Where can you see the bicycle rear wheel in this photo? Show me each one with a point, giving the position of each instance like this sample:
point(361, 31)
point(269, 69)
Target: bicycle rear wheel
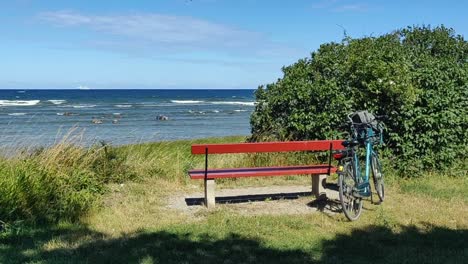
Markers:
point(378, 176)
point(352, 205)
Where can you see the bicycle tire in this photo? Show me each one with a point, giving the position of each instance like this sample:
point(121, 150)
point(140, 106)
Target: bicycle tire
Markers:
point(351, 205)
point(378, 177)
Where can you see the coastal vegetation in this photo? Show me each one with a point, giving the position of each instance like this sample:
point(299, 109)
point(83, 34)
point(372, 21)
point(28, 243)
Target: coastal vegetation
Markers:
point(115, 204)
point(417, 76)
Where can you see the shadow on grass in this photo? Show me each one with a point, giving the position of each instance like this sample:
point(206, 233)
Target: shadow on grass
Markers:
point(143, 247)
point(326, 205)
point(372, 244)
point(378, 244)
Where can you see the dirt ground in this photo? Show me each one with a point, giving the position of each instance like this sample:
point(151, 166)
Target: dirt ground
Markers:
point(272, 200)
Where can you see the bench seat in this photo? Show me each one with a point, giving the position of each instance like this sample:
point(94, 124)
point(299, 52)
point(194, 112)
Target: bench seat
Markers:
point(262, 171)
point(318, 173)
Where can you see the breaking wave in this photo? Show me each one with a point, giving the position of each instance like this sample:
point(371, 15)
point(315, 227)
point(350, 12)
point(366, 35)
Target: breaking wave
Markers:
point(84, 106)
point(57, 102)
point(186, 101)
point(234, 103)
point(123, 105)
point(19, 102)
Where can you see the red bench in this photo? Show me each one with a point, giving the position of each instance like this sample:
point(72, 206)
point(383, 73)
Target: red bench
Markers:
point(318, 171)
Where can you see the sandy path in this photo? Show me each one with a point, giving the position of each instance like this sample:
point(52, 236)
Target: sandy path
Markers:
point(260, 200)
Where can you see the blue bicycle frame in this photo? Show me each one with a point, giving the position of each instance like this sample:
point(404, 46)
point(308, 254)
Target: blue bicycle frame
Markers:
point(363, 187)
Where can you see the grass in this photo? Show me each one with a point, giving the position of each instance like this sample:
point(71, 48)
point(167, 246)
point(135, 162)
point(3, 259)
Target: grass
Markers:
point(61, 182)
point(421, 221)
point(437, 186)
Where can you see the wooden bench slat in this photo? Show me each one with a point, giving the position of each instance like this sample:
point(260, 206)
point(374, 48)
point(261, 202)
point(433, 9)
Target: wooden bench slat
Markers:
point(315, 145)
point(261, 171)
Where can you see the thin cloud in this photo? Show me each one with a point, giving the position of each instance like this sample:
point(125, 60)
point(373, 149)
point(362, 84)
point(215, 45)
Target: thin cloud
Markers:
point(340, 6)
point(165, 31)
point(324, 4)
point(352, 7)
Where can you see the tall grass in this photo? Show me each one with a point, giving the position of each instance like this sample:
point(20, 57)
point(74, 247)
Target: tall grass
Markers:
point(65, 181)
point(61, 182)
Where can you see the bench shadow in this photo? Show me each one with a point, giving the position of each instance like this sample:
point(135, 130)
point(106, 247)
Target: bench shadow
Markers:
point(191, 201)
point(317, 203)
point(326, 205)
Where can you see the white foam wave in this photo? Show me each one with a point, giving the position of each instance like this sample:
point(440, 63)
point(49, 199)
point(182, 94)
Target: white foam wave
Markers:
point(57, 102)
point(186, 101)
point(17, 114)
point(19, 102)
point(234, 103)
point(66, 114)
point(84, 106)
point(240, 110)
point(196, 112)
point(123, 105)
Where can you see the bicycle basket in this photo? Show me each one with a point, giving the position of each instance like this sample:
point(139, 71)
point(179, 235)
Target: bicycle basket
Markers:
point(361, 121)
point(364, 118)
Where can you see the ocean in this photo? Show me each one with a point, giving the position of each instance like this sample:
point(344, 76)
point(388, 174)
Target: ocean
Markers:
point(85, 117)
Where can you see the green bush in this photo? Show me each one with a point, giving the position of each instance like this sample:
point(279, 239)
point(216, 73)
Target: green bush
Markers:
point(418, 76)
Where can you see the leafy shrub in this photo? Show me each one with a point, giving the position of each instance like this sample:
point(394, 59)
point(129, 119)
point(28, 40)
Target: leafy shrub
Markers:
point(418, 76)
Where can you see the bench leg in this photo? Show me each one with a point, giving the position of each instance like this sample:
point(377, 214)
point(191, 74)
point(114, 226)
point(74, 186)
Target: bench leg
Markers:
point(318, 186)
point(210, 187)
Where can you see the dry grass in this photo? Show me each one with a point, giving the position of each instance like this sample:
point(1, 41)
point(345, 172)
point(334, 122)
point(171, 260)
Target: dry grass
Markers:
point(144, 205)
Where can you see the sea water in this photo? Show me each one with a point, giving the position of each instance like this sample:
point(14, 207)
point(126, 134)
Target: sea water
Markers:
point(45, 117)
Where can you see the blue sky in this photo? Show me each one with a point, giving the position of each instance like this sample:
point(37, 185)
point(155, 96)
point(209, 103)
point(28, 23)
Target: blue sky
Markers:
point(188, 44)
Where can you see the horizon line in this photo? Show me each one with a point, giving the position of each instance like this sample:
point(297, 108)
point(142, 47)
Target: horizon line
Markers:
point(88, 89)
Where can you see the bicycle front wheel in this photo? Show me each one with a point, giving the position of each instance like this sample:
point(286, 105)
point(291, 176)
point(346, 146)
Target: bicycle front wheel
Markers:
point(352, 205)
point(378, 176)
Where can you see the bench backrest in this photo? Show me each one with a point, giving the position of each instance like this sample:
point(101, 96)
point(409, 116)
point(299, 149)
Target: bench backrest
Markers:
point(313, 145)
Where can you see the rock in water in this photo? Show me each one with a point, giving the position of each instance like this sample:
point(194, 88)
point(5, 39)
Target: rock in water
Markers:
point(163, 118)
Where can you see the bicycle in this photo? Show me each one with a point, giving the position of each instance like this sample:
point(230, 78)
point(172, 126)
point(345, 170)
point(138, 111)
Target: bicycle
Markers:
point(366, 131)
